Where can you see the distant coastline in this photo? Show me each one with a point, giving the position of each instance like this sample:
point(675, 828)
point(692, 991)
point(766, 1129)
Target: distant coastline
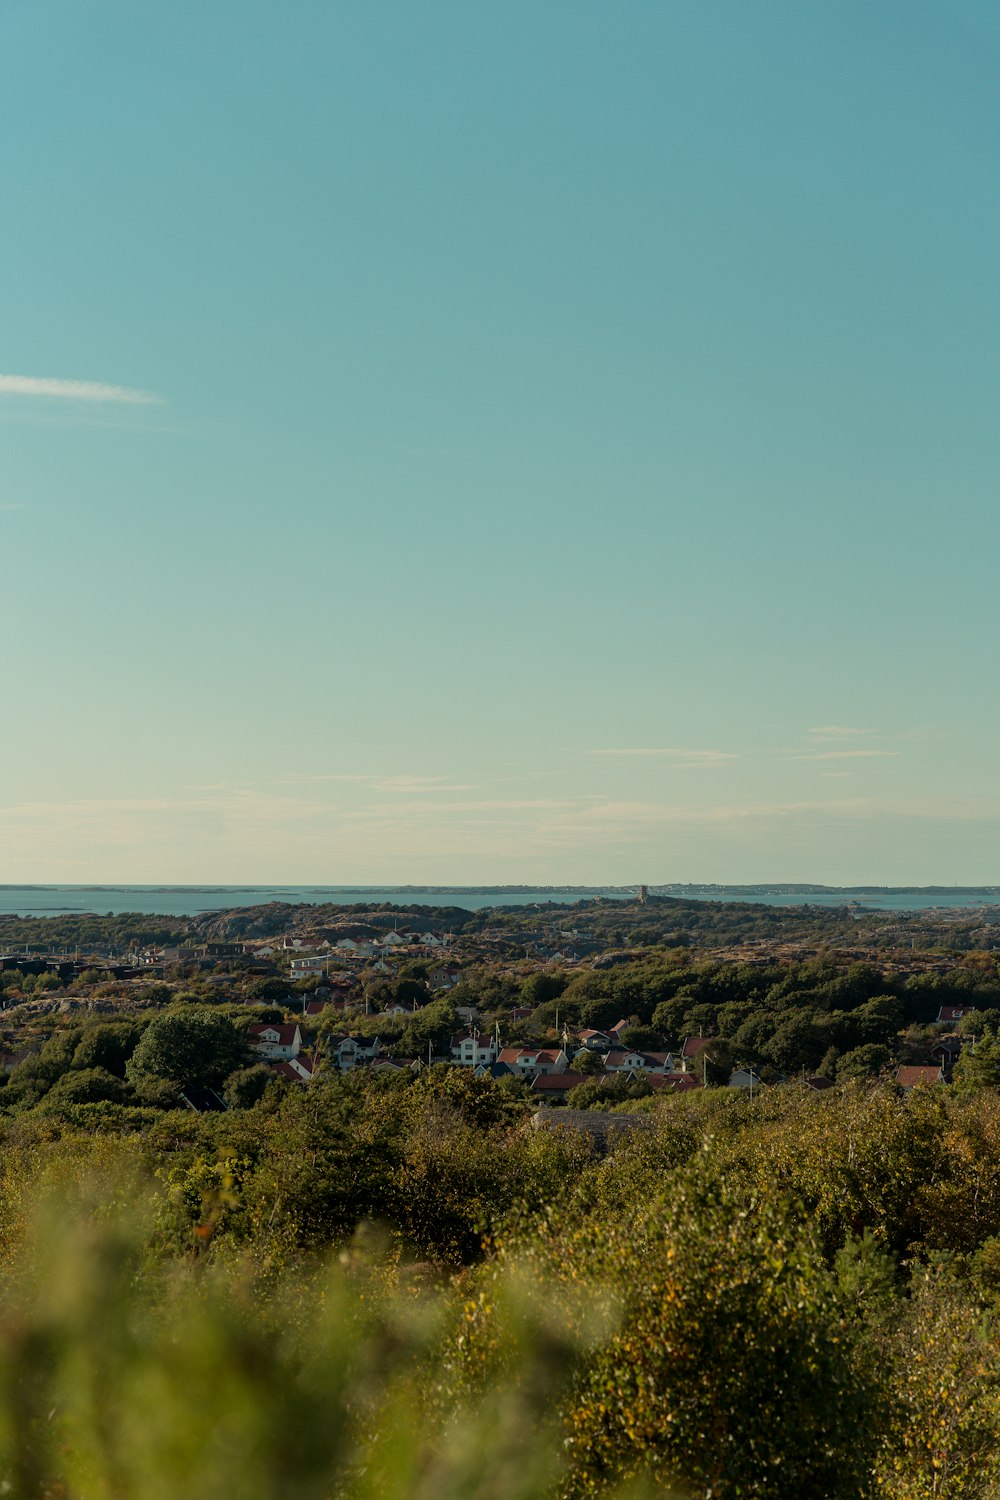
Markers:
point(191, 900)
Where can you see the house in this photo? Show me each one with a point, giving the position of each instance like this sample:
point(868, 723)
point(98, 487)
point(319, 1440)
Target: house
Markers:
point(674, 1083)
point(495, 1070)
point(692, 1049)
point(817, 1084)
point(202, 1101)
point(948, 1050)
point(470, 1050)
point(299, 1069)
point(528, 1062)
point(557, 1084)
point(743, 1078)
point(624, 1061)
point(396, 1065)
point(353, 1051)
point(393, 940)
point(303, 968)
point(444, 979)
point(276, 1043)
point(657, 1062)
point(595, 1041)
point(949, 1014)
point(919, 1075)
point(317, 1007)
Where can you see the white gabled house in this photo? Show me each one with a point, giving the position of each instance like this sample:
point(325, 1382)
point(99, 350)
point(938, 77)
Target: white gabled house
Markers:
point(354, 1051)
point(530, 1062)
point(304, 968)
point(472, 1051)
point(276, 1042)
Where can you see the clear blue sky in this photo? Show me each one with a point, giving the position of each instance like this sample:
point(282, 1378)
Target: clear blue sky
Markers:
point(575, 450)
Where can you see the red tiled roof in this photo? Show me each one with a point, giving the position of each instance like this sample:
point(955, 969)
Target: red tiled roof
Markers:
point(542, 1055)
point(693, 1045)
point(286, 1032)
point(918, 1075)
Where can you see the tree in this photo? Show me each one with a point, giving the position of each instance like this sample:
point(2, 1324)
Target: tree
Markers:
point(108, 1046)
point(190, 1048)
point(730, 1323)
point(863, 1062)
point(717, 1061)
point(979, 1068)
point(546, 984)
point(247, 1086)
point(798, 1042)
point(435, 1023)
point(640, 1038)
point(88, 1086)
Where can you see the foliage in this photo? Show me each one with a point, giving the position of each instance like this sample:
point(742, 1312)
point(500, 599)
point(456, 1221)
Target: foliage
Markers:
point(187, 1048)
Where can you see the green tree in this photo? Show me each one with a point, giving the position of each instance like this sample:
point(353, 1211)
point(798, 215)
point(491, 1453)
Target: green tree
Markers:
point(247, 1086)
point(588, 1062)
point(88, 1086)
point(187, 1048)
point(978, 1067)
point(863, 1062)
point(640, 1038)
point(108, 1045)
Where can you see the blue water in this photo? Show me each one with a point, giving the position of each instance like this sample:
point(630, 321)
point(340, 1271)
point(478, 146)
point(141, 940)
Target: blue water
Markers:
point(189, 900)
point(872, 897)
point(184, 901)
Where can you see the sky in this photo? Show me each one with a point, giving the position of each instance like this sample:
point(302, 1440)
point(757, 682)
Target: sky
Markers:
point(549, 442)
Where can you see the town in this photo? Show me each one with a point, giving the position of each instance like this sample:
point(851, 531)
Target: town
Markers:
point(550, 1005)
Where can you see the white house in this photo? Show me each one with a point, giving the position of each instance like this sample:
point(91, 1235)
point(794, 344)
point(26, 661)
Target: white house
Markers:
point(302, 968)
point(276, 1043)
point(351, 1051)
point(529, 1062)
point(471, 1051)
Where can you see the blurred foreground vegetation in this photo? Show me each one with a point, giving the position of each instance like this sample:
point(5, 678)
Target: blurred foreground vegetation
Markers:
point(382, 1287)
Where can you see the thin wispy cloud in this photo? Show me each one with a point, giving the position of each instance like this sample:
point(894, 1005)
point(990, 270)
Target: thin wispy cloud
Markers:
point(838, 732)
point(845, 755)
point(75, 390)
point(394, 783)
point(690, 759)
point(11, 507)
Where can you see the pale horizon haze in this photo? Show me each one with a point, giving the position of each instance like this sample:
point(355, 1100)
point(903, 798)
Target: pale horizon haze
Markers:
point(533, 443)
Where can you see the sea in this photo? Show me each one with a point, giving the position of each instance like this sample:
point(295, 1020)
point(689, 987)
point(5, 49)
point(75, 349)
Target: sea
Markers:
point(190, 900)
